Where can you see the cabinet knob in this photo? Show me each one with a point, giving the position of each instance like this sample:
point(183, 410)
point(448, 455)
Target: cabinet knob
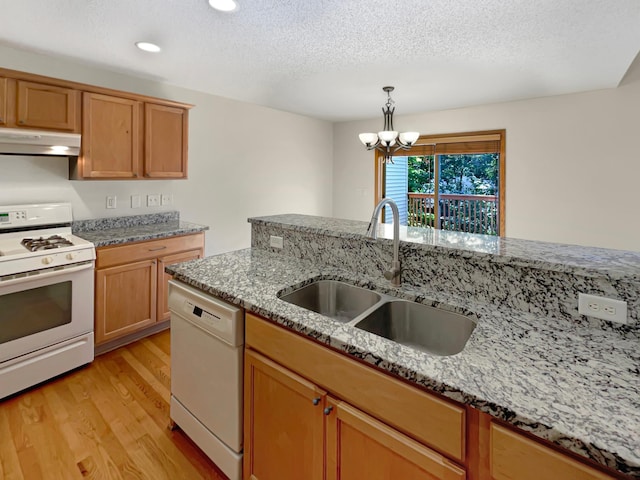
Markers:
point(21, 122)
point(327, 410)
point(316, 400)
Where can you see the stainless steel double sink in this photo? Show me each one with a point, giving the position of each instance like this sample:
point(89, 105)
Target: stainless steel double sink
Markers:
point(434, 330)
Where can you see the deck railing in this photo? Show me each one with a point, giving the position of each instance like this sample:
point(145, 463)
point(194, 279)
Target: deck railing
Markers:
point(462, 213)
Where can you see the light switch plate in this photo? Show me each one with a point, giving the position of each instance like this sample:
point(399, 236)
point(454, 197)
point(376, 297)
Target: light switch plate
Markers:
point(135, 201)
point(111, 201)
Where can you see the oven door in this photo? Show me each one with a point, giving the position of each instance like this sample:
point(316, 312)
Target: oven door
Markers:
point(44, 308)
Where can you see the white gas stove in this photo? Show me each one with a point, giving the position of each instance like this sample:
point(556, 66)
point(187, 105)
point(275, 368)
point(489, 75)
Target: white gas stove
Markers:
point(46, 295)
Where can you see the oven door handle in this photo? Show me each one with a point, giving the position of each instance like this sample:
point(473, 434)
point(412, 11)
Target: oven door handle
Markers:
point(46, 274)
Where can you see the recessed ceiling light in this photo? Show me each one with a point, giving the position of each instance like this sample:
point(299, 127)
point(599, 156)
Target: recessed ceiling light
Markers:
point(148, 47)
point(224, 5)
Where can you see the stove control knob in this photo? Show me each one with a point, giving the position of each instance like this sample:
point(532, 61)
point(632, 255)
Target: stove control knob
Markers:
point(47, 260)
point(71, 256)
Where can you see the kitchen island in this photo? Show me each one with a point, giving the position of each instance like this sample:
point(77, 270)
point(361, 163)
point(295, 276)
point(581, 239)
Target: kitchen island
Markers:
point(574, 383)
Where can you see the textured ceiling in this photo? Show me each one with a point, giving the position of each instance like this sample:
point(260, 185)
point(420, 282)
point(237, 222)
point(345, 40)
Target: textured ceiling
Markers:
point(330, 58)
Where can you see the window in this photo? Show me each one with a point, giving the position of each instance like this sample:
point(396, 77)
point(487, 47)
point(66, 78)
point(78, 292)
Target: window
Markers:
point(449, 182)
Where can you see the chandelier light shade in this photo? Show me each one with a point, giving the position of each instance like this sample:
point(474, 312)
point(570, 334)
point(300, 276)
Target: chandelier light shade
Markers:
point(388, 141)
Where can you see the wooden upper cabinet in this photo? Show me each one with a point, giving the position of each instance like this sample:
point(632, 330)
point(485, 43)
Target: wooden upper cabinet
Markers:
point(124, 135)
point(111, 137)
point(3, 101)
point(47, 106)
point(165, 149)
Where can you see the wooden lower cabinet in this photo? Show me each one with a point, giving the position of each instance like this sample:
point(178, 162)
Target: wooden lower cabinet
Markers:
point(283, 423)
point(513, 456)
point(313, 413)
point(293, 430)
point(164, 277)
point(131, 284)
point(125, 299)
point(359, 446)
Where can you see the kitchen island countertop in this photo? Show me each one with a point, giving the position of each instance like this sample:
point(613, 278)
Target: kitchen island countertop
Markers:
point(575, 386)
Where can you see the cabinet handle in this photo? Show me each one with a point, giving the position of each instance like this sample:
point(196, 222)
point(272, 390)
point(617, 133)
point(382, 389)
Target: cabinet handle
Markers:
point(157, 248)
point(327, 410)
point(21, 122)
point(316, 400)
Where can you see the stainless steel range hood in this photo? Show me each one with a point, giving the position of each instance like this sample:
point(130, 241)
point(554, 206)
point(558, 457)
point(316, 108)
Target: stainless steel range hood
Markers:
point(14, 141)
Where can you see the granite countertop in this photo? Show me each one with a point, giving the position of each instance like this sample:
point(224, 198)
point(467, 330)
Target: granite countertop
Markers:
point(616, 264)
point(114, 231)
point(575, 386)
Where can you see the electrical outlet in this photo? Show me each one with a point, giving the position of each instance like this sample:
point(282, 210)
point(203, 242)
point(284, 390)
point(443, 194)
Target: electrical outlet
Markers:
point(153, 200)
point(165, 199)
point(276, 242)
point(111, 201)
point(602, 307)
point(135, 201)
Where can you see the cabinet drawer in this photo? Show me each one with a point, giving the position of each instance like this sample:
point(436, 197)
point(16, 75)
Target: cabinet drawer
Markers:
point(133, 252)
point(514, 456)
point(359, 446)
point(425, 417)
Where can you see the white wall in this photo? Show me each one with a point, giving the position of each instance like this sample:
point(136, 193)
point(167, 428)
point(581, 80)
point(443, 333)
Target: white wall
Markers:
point(573, 155)
point(244, 160)
point(573, 163)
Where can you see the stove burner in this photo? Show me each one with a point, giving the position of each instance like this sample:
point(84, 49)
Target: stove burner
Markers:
point(41, 243)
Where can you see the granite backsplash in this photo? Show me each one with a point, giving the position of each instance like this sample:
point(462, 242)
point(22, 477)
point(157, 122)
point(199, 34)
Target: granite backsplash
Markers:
point(537, 277)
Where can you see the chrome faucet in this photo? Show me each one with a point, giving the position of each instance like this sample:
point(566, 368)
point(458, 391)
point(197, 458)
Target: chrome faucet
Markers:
point(393, 274)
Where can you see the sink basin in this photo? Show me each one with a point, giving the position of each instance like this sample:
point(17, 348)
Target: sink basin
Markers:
point(430, 329)
point(332, 298)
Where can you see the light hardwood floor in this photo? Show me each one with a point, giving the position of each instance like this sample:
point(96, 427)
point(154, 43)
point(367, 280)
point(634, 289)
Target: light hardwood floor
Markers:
point(108, 420)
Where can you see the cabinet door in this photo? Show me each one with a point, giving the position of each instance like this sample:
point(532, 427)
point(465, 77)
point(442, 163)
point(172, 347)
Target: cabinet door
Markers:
point(359, 446)
point(163, 279)
point(3, 101)
point(283, 423)
point(111, 137)
point(166, 134)
point(47, 106)
point(125, 299)
point(516, 457)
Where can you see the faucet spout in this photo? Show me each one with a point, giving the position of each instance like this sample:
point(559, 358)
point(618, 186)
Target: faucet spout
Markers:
point(393, 274)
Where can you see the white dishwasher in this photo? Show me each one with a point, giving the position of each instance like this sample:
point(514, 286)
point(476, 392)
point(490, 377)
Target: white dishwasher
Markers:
point(207, 338)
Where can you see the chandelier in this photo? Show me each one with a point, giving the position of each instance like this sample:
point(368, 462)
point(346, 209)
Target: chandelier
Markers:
point(388, 141)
